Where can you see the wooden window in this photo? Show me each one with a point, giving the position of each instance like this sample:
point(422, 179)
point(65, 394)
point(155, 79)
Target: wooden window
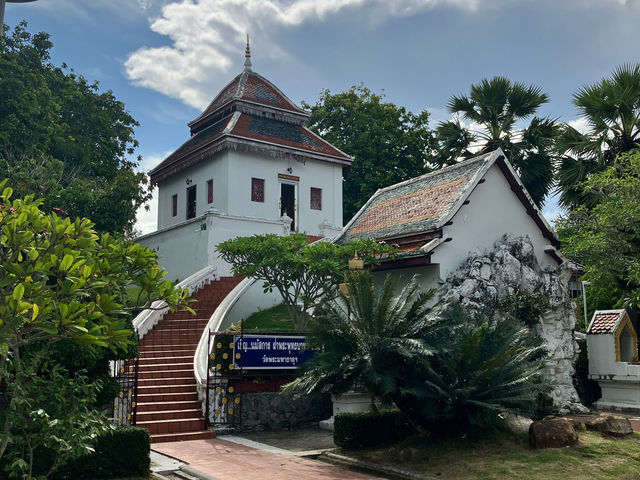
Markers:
point(209, 191)
point(174, 205)
point(191, 202)
point(316, 198)
point(257, 190)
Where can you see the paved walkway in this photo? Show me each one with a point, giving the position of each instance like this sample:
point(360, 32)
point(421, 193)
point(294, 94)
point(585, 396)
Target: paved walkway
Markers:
point(230, 461)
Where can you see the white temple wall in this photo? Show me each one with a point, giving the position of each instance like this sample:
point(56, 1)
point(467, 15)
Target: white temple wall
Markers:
point(493, 211)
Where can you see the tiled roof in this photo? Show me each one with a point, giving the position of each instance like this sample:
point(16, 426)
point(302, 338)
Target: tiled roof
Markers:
point(417, 205)
point(605, 321)
point(254, 88)
point(250, 128)
point(283, 133)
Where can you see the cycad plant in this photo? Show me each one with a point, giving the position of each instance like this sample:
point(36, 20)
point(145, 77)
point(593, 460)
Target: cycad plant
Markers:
point(494, 109)
point(367, 339)
point(611, 108)
point(484, 367)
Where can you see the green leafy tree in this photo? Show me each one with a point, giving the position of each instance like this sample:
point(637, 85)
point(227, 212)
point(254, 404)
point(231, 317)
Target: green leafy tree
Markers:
point(302, 273)
point(494, 107)
point(370, 338)
point(611, 108)
point(63, 140)
point(606, 238)
point(61, 282)
point(388, 143)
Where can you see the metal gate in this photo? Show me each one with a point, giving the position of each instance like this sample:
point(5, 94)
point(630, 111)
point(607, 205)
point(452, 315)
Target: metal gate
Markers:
point(124, 405)
point(224, 367)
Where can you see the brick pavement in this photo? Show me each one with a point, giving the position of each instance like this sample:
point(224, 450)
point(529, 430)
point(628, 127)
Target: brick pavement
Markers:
point(230, 461)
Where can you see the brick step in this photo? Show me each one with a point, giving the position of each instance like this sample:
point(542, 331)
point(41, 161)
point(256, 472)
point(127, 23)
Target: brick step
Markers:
point(165, 348)
point(163, 367)
point(168, 415)
point(152, 382)
point(163, 398)
point(172, 333)
point(181, 425)
point(184, 323)
point(166, 389)
point(158, 406)
point(175, 338)
point(181, 437)
point(166, 374)
point(165, 359)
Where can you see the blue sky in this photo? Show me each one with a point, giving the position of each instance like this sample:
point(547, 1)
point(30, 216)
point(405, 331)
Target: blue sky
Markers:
point(166, 59)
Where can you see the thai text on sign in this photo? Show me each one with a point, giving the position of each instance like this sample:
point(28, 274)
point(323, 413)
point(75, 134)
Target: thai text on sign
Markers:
point(262, 352)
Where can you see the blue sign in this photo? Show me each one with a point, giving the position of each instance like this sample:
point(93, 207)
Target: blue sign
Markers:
point(263, 352)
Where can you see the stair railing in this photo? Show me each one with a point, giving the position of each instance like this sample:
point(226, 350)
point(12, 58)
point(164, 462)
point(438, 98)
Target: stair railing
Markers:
point(149, 318)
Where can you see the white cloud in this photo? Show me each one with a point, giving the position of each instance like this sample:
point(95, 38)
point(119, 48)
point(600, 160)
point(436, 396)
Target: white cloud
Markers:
point(580, 124)
point(207, 34)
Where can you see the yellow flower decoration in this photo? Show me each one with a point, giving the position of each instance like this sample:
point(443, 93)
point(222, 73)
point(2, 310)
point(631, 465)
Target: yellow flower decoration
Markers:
point(217, 411)
point(231, 345)
point(218, 367)
point(238, 355)
point(121, 394)
point(225, 356)
point(230, 389)
point(237, 401)
point(212, 356)
point(217, 389)
point(224, 400)
point(218, 345)
point(230, 411)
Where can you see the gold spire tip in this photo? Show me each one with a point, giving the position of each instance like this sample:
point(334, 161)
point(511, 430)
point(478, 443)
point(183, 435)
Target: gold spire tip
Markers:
point(247, 52)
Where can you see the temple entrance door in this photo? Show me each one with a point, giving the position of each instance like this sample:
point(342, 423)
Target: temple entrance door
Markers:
point(288, 203)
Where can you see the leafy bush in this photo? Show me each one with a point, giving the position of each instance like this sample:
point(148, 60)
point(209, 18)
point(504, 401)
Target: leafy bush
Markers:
point(526, 306)
point(369, 429)
point(122, 452)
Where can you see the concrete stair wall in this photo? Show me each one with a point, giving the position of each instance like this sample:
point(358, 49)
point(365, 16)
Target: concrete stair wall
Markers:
point(167, 403)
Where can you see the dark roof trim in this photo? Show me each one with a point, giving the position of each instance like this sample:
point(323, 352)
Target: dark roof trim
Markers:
point(406, 262)
point(530, 207)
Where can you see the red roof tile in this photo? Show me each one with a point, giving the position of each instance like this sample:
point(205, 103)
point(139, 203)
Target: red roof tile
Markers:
point(604, 321)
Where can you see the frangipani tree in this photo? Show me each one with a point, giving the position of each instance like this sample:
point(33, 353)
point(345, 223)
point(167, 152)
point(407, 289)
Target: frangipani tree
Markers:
point(60, 281)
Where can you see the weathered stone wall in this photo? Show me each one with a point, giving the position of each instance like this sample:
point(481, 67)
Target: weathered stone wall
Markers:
point(270, 410)
point(486, 278)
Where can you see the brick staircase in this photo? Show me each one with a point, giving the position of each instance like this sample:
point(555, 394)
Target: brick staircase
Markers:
point(168, 404)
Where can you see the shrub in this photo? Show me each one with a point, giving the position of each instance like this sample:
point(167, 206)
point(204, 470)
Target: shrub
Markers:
point(369, 429)
point(122, 452)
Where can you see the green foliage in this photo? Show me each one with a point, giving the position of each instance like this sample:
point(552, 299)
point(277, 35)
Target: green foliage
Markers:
point(274, 319)
point(442, 373)
point(122, 452)
point(606, 238)
point(369, 429)
point(611, 108)
point(368, 339)
point(61, 283)
point(494, 107)
point(388, 143)
point(484, 367)
point(63, 140)
point(526, 307)
point(302, 273)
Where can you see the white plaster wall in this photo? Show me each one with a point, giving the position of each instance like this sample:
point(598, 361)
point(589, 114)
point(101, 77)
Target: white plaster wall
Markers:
point(427, 276)
point(182, 249)
point(215, 168)
point(252, 300)
point(493, 211)
point(602, 354)
point(243, 166)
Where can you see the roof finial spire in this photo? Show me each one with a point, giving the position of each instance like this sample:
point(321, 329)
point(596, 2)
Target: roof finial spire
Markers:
point(247, 56)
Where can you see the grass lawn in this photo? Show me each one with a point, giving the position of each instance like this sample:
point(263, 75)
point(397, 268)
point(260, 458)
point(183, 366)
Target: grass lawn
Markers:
point(274, 319)
point(504, 456)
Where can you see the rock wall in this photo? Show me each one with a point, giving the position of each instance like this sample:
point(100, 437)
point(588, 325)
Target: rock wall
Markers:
point(272, 410)
point(486, 278)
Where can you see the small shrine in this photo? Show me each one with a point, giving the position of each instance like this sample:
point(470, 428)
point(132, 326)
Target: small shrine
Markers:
point(612, 344)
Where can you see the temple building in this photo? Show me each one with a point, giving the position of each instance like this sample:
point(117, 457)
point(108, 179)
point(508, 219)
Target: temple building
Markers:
point(251, 166)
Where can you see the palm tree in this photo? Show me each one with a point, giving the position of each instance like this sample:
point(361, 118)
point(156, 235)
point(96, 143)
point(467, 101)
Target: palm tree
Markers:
point(494, 108)
point(611, 108)
point(367, 339)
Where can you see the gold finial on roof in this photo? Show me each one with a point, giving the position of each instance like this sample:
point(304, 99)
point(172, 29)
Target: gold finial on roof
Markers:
point(247, 55)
